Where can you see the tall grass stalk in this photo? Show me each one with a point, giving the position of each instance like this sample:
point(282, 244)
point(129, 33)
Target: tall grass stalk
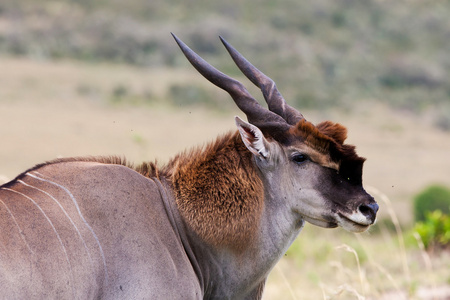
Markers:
point(377, 266)
point(346, 287)
point(425, 256)
point(360, 273)
point(341, 289)
point(286, 281)
point(398, 229)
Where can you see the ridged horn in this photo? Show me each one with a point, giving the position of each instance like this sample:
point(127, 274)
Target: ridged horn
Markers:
point(274, 99)
point(256, 114)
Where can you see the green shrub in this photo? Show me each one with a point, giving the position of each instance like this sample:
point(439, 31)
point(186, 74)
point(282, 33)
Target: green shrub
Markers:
point(433, 198)
point(434, 230)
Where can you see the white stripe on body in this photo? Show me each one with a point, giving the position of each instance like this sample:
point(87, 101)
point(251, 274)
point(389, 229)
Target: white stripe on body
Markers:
point(79, 213)
point(66, 214)
point(54, 229)
point(17, 224)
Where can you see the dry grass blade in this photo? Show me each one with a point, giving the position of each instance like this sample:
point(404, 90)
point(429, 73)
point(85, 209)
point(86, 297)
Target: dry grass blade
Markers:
point(286, 281)
point(388, 275)
point(382, 270)
point(351, 250)
point(398, 229)
point(341, 289)
point(425, 256)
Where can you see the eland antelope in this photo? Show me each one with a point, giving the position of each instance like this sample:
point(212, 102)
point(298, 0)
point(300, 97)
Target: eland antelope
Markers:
point(210, 224)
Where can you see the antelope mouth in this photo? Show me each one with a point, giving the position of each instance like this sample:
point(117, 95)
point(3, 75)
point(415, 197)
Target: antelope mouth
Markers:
point(353, 222)
point(320, 222)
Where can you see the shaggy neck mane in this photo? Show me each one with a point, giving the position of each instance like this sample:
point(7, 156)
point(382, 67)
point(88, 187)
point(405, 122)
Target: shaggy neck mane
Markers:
point(219, 192)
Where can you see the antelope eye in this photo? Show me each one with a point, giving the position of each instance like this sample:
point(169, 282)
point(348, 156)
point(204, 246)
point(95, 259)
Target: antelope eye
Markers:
point(300, 158)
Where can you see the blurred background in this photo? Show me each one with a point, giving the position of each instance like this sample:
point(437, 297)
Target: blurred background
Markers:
point(84, 77)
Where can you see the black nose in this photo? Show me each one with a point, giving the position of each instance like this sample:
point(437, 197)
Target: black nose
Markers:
point(369, 210)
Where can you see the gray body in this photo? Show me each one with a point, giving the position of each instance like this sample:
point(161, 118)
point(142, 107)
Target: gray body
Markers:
point(66, 234)
point(89, 230)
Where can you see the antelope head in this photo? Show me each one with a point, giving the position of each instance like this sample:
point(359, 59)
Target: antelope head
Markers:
point(309, 168)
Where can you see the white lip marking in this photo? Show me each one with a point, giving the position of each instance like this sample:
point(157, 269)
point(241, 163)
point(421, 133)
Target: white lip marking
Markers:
point(54, 229)
point(66, 214)
point(350, 225)
point(17, 224)
point(80, 214)
point(359, 218)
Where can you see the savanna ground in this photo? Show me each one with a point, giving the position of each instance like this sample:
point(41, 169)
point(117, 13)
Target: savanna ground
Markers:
point(74, 109)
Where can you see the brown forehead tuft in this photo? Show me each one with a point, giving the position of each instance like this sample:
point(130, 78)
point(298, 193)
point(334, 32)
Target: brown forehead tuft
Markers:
point(311, 136)
point(334, 130)
point(328, 138)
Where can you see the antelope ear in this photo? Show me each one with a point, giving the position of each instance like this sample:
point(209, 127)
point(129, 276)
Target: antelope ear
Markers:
point(253, 138)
